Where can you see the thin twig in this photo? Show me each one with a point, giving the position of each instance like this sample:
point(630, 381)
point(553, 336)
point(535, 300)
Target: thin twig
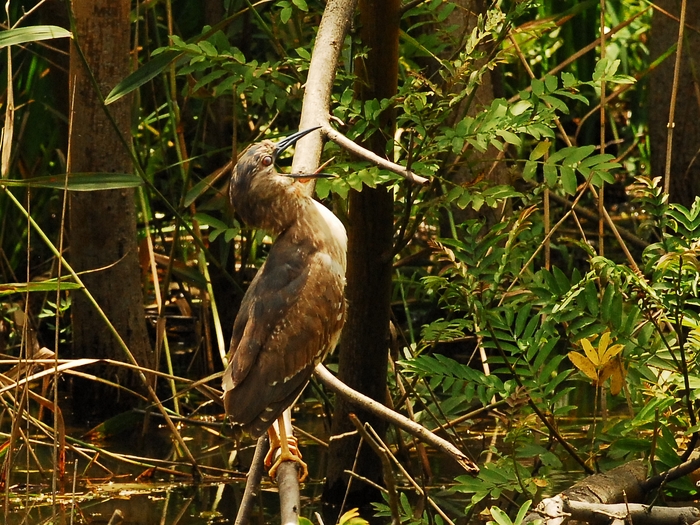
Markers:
point(354, 148)
point(379, 410)
point(412, 481)
point(253, 481)
point(389, 480)
point(674, 93)
point(601, 199)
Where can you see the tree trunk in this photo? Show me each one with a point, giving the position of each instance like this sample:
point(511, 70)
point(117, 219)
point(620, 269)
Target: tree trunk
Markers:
point(364, 346)
point(685, 161)
point(103, 236)
point(475, 164)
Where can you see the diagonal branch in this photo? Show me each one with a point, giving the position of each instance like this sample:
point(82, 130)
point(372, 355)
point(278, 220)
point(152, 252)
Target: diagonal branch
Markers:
point(354, 148)
point(370, 405)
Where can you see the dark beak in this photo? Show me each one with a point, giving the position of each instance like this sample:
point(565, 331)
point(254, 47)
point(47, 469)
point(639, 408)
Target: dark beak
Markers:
point(291, 139)
point(304, 176)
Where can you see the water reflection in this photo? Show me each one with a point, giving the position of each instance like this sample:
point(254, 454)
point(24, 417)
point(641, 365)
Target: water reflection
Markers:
point(115, 482)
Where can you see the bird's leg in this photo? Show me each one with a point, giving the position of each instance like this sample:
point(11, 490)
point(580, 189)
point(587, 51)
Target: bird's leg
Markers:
point(289, 450)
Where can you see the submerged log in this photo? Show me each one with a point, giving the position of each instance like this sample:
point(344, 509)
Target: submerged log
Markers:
point(619, 485)
point(623, 483)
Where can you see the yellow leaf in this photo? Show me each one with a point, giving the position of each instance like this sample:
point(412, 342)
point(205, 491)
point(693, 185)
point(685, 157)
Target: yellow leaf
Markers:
point(610, 353)
point(603, 343)
point(584, 364)
point(617, 380)
point(607, 370)
point(352, 517)
point(590, 352)
point(539, 482)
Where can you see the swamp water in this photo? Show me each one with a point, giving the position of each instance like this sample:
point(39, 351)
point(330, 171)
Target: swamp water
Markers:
point(115, 484)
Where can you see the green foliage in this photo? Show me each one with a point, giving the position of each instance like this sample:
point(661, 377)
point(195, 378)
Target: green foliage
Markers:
point(501, 518)
point(407, 514)
point(487, 323)
point(218, 68)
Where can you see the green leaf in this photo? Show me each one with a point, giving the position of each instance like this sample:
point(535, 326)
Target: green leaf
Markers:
point(568, 179)
point(42, 286)
point(22, 35)
point(568, 79)
point(522, 318)
point(208, 78)
point(80, 181)
point(551, 82)
point(509, 137)
point(522, 512)
point(596, 160)
point(541, 148)
point(499, 516)
point(301, 4)
point(208, 48)
point(537, 87)
point(285, 15)
point(142, 75)
point(562, 280)
point(550, 174)
point(606, 307)
point(577, 154)
point(590, 293)
point(207, 219)
point(530, 170)
point(303, 53)
point(520, 107)
point(556, 103)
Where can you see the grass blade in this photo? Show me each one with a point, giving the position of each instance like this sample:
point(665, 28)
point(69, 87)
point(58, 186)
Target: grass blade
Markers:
point(22, 35)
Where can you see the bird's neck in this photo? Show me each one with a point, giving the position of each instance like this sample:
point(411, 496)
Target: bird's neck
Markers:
point(302, 220)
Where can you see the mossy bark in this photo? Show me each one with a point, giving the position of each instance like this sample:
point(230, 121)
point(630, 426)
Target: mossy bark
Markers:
point(103, 236)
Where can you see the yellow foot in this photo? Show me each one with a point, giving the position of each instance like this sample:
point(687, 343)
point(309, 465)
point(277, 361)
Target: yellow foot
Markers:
point(289, 451)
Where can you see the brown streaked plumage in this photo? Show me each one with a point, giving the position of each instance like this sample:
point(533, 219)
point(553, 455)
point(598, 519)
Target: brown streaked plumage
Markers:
point(293, 312)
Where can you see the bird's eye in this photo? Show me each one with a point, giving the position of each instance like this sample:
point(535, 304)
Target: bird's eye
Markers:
point(267, 160)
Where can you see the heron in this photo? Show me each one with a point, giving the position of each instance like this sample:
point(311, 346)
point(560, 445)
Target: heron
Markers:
point(293, 312)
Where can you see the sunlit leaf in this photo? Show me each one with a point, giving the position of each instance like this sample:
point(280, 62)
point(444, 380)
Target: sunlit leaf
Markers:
point(41, 286)
point(352, 517)
point(526, 506)
point(142, 75)
point(80, 181)
point(603, 346)
point(617, 379)
point(500, 517)
point(539, 150)
point(610, 352)
point(591, 352)
point(584, 365)
point(22, 35)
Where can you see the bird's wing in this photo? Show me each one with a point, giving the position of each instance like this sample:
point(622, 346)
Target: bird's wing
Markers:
point(294, 312)
point(274, 290)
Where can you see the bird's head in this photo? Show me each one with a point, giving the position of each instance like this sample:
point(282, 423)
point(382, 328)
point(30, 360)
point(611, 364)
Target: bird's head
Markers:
point(260, 193)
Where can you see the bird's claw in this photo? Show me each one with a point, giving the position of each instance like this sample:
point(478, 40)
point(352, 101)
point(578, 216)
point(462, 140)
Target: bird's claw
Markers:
point(290, 452)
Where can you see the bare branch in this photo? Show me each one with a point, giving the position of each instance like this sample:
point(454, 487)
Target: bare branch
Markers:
point(252, 484)
point(379, 410)
point(354, 148)
point(319, 83)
